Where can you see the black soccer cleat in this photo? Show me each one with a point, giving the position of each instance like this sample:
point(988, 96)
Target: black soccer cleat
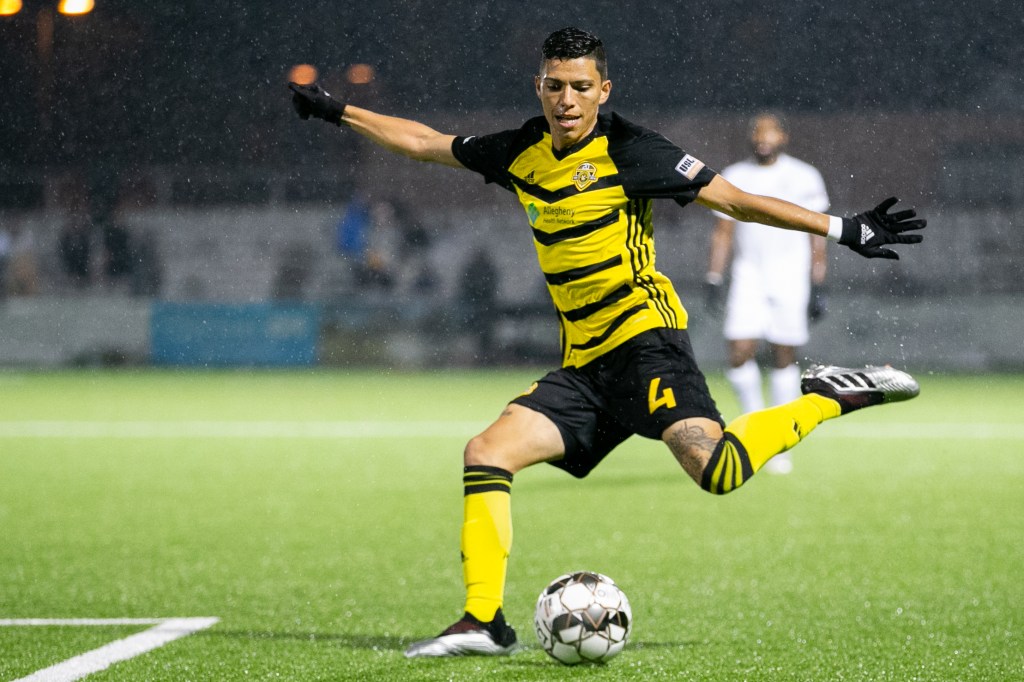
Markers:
point(857, 388)
point(468, 637)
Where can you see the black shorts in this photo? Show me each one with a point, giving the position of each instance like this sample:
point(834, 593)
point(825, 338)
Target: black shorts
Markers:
point(641, 387)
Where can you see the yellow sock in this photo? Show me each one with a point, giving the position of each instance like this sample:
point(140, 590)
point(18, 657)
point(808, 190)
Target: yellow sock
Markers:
point(486, 538)
point(754, 438)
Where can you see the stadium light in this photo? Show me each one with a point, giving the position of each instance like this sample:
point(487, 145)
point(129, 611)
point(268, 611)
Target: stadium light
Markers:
point(75, 7)
point(360, 74)
point(44, 49)
point(303, 74)
point(69, 7)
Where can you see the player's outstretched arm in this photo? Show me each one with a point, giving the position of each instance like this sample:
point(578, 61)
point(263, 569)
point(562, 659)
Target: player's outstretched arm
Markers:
point(866, 233)
point(400, 135)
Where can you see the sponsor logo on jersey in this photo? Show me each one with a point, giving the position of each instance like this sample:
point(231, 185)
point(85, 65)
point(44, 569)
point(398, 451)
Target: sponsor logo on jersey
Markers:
point(557, 213)
point(548, 215)
point(585, 175)
point(529, 178)
point(532, 213)
point(688, 167)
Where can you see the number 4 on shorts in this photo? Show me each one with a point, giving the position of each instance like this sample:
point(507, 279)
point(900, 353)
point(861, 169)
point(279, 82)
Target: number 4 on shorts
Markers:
point(666, 399)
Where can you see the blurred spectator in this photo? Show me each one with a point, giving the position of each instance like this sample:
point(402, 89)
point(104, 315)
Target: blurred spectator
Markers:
point(22, 276)
point(388, 247)
point(75, 250)
point(5, 257)
point(293, 272)
point(478, 298)
point(148, 274)
point(74, 246)
point(352, 235)
point(414, 251)
point(351, 231)
point(426, 279)
point(374, 273)
point(380, 264)
point(118, 251)
point(131, 255)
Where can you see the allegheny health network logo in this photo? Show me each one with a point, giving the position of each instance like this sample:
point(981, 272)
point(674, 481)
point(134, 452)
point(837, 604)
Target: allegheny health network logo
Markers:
point(532, 213)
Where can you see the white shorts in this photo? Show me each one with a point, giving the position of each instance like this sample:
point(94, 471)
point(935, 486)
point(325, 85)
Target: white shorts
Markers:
point(773, 311)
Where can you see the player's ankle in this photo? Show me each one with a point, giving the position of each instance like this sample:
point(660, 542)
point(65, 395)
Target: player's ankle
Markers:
point(829, 408)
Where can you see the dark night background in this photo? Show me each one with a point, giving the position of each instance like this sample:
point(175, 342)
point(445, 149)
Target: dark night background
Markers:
point(169, 125)
point(203, 83)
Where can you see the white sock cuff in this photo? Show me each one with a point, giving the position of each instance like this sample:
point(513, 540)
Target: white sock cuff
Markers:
point(746, 371)
point(785, 384)
point(746, 382)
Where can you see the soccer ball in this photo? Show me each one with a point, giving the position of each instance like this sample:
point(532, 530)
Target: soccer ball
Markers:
point(582, 617)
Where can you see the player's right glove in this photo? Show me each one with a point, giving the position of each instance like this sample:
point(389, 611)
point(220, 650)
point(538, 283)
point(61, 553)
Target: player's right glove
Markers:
point(867, 232)
point(312, 100)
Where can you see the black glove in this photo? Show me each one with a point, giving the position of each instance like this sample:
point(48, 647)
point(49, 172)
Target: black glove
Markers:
point(312, 100)
point(714, 296)
point(817, 307)
point(867, 232)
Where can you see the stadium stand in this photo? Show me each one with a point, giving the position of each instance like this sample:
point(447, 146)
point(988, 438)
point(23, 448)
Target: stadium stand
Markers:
point(230, 234)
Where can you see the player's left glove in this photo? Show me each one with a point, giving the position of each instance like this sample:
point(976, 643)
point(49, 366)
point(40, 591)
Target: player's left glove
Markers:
point(312, 100)
point(867, 232)
point(713, 287)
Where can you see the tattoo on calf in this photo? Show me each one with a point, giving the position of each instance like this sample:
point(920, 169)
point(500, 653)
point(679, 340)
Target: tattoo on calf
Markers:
point(692, 447)
point(687, 438)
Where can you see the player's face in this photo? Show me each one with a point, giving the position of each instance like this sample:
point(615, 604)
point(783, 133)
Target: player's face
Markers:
point(767, 139)
point(570, 91)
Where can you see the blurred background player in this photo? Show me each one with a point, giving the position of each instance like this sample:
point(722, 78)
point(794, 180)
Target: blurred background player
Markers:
point(772, 273)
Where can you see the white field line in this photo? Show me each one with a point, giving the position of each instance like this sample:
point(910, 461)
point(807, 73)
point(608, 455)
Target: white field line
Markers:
point(862, 430)
point(28, 622)
point(237, 429)
point(164, 631)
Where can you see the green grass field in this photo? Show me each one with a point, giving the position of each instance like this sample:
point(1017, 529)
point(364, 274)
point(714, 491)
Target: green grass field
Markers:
point(317, 514)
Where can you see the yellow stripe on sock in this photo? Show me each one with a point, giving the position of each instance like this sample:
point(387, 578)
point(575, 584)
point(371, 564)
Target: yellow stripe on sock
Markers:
point(755, 438)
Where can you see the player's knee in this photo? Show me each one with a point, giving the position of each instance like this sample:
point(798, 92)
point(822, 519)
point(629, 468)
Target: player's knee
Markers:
point(480, 451)
point(741, 352)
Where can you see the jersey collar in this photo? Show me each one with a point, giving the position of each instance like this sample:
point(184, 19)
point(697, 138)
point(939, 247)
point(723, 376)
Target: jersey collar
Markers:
point(599, 130)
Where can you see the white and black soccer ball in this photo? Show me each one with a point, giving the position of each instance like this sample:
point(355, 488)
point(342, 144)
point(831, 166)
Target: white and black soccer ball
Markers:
point(583, 617)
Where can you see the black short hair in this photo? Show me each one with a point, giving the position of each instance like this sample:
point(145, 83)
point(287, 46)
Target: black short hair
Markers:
point(571, 43)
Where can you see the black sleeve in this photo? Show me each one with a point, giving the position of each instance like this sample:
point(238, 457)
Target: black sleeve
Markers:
point(652, 166)
point(487, 155)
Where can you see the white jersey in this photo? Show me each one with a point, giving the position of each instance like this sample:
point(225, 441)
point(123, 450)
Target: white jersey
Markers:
point(770, 266)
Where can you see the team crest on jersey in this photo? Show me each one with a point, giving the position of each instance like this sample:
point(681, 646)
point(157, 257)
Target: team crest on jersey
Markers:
point(585, 175)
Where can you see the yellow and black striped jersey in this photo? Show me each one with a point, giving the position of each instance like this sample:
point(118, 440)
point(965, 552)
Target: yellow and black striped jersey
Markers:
point(590, 210)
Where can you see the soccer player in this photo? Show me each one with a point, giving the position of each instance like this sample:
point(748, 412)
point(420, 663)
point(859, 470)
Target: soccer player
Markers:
point(772, 272)
point(587, 182)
